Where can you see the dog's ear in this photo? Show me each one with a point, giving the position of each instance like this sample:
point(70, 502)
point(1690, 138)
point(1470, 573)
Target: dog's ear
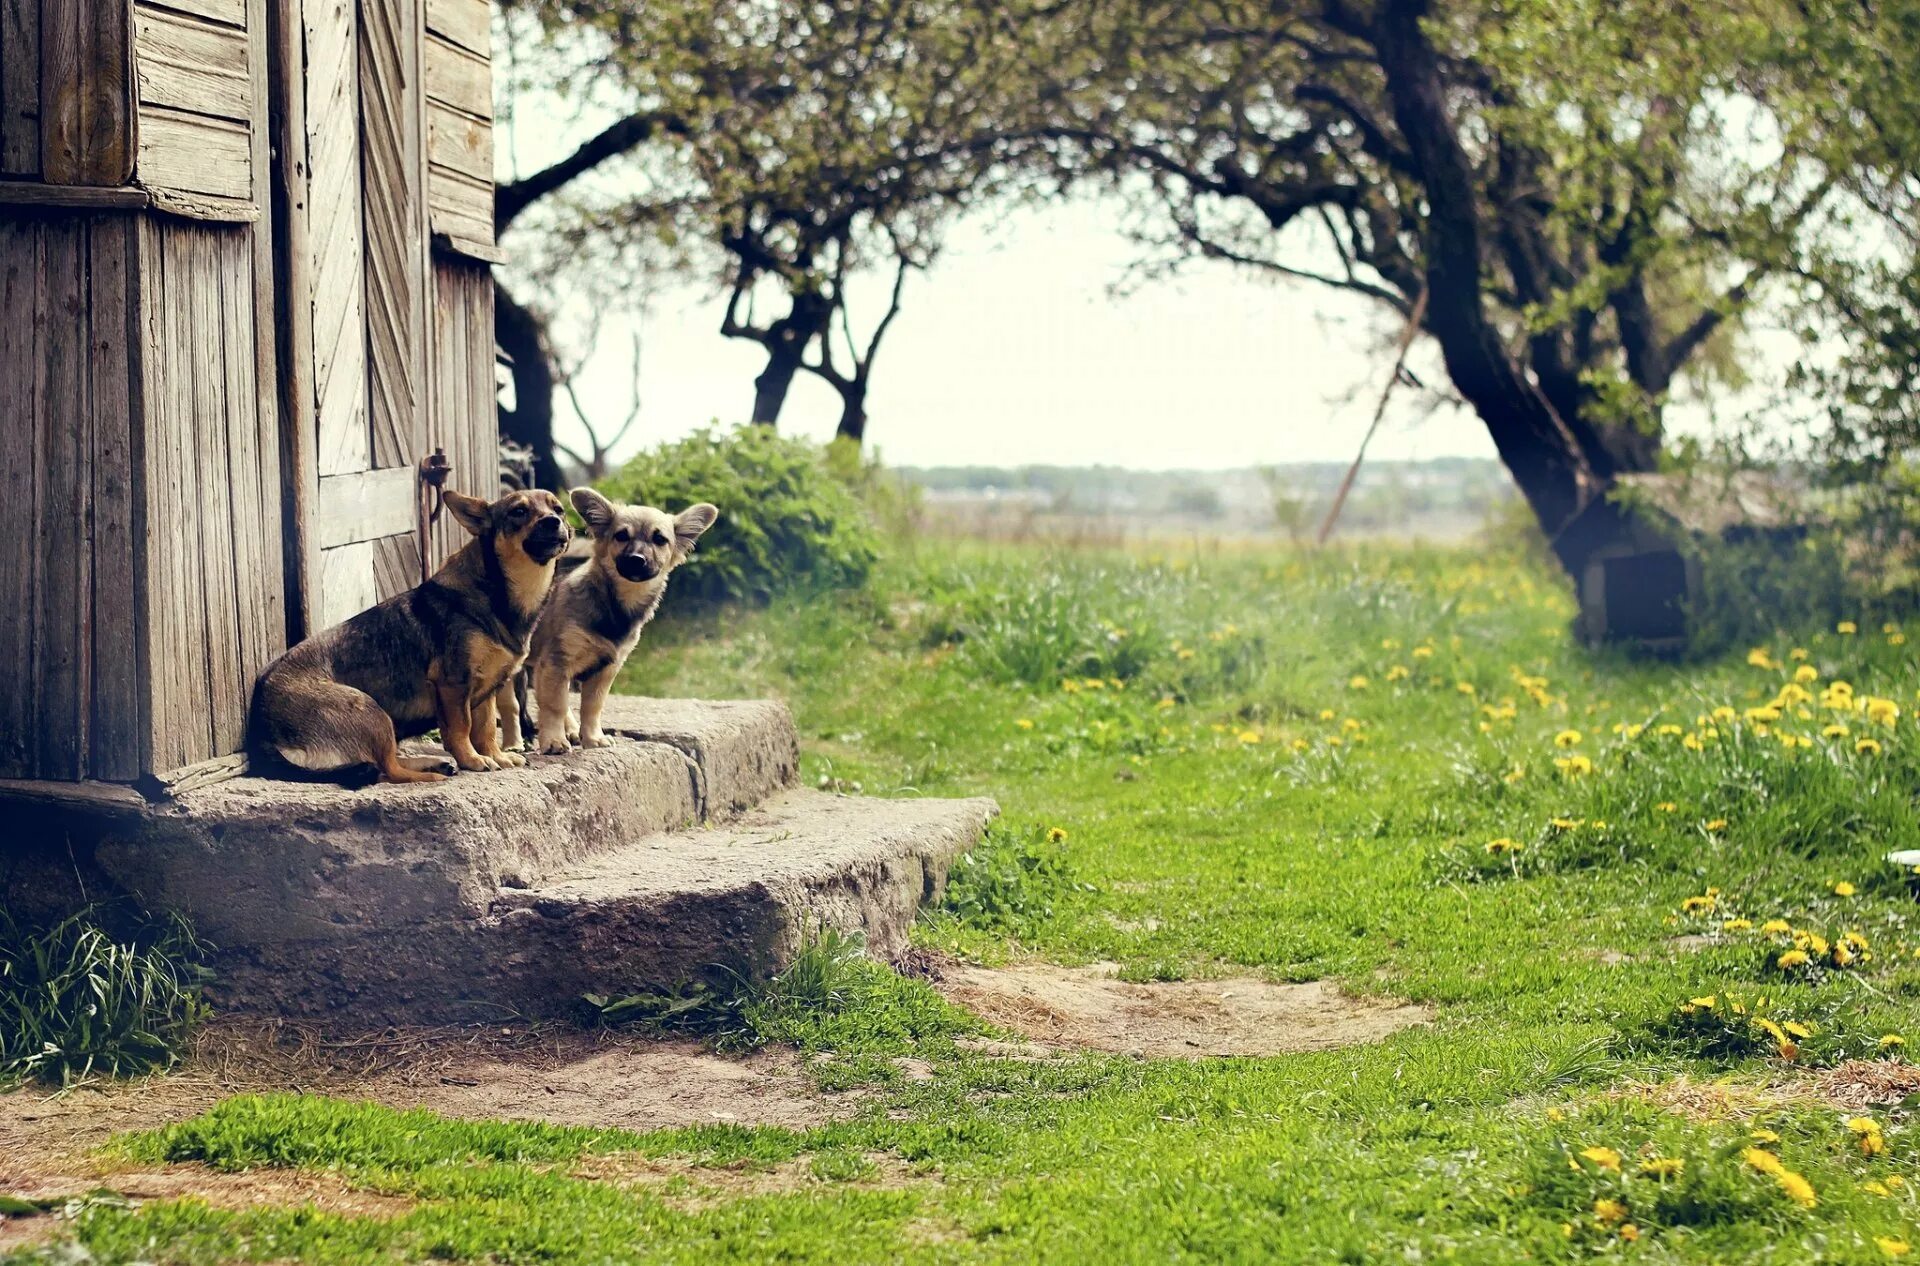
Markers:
point(470, 512)
point(595, 510)
point(690, 523)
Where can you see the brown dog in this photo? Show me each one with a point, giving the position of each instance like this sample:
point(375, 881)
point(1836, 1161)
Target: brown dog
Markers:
point(433, 656)
point(594, 618)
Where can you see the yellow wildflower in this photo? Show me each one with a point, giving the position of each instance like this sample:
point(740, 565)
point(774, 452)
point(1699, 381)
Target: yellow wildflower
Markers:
point(1024, 723)
point(1692, 743)
point(1874, 1187)
point(1758, 657)
point(1248, 737)
point(1567, 738)
point(1422, 652)
point(1798, 652)
point(1722, 714)
point(1836, 730)
point(1667, 806)
point(1798, 1189)
point(1776, 927)
point(1503, 845)
point(1607, 1211)
point(1466, 688)
point(1699, 905)
point(1806, 673)
point(1603, 1157)
point(1574, 766)
point(1846, 628)
point(1357, 682)
point(1843, 889)
point(1791, 959)
point(1398, 673)
point(1880, 711)
point(1056, 835)
point(1892, 1247)
point(1717, 824)
point(1762, 1136)
point(1892, 1041)
point(1867, 747)
point(1764, 1162)
point(1662, 1166)
point(1326, 714)
point(1736, 925)
point(1629, 1232)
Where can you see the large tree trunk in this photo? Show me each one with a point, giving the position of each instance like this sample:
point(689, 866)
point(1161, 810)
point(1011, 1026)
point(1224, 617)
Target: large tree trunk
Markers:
point(786, 343)
point(530, 421)
point(1538, 446)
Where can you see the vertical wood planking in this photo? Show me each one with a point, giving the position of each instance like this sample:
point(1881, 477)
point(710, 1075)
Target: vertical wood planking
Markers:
point(19, 519)
point(256, 513)
point(215, 504)
point(115, 735)
point(394, 176)
point(62, 598)
point(19, 88)
point(255, 284)
point(86, 92)
point(286, 288)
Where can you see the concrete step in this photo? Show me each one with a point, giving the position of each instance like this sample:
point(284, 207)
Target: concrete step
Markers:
point(253, 861)
point(644, 864)
point(652, 915)
point(744, 897)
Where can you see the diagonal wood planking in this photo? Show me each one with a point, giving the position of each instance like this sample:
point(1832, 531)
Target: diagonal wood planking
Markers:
point(393, 171)
point(339, 323)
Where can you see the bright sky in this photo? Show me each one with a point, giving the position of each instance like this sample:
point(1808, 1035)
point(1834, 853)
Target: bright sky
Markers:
point(1014, 350)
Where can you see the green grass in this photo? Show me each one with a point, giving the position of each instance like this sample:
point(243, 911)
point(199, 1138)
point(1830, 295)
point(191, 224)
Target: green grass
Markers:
point(1280, 763)
point(104, 991)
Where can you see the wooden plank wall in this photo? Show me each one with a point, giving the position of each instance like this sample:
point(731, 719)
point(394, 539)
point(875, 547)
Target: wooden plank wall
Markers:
point(459, 76)
point(212, 544)
point(198, 69)
point(66, 76)
point(464, 419)
point(69, 680)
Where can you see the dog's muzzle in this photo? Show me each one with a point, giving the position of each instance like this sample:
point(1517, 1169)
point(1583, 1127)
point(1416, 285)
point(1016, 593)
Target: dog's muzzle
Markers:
point(548, 537)
point(634, 567)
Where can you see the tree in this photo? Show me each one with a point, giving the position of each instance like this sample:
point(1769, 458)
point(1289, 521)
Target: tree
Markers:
point(1588, 193)
point(783, 150)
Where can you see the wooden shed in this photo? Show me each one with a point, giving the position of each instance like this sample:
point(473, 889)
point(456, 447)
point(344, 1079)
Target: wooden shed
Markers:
point(244, 289)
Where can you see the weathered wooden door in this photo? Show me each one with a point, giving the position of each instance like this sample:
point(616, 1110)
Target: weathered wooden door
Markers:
point(361, 282)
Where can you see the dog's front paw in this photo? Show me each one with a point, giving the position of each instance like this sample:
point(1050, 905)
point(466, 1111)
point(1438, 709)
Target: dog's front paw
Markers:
point(595, 738)
point(510, 760)
point(573, 727)
point(478, 764)
point(553, 745)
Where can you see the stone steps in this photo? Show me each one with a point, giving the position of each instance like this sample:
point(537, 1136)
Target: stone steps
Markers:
point(640, 865)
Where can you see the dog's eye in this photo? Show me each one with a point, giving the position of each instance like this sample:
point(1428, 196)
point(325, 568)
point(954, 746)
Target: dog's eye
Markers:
point(659, 538)
point(623, 536)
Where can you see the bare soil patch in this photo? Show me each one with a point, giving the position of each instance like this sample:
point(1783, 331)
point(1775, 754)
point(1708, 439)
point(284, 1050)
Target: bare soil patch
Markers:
point(1184, 1019)
point(564, 1077)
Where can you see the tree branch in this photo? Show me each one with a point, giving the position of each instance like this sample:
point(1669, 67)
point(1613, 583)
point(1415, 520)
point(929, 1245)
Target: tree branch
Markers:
point(622, 137)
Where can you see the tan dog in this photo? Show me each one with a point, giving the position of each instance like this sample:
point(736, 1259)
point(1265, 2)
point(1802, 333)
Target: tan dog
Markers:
point(593, 619)
point(434, 656)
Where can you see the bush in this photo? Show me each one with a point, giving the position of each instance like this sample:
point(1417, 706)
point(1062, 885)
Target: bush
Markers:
point(831, 997)
point(786, 522)
point(76, 998)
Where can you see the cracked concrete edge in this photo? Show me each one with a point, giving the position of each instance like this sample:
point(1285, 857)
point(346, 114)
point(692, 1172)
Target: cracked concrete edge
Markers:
point(745, 750)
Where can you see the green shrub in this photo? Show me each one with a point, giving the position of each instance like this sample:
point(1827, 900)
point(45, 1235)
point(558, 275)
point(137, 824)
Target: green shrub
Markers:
point(786, 522)
point(1011, 881)
point(76, 998)
point(831, 997)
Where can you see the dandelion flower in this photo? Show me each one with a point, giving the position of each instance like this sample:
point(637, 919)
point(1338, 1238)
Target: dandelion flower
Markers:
point(1056, 835)
point(1844, 889)
point(1607, 1211)
point(1760, 1160)
point(1791, 959)
point(1762, 1136)
point(1575, 766)
point(1846, 628)
point(1398, 673)
point(1867, 747)
point(1892, 1247)
point(1024, 723)
point(1892, 1041)
point(1423, 652)
point(1874, 1187)
point(1776, 927)
point(1667, 806)
point(1798, 1189)
point(1758, 657)
point(1717, 825)
point(1466, 687)
point(1662, 1166)
point(1503, 845)
point(1629, 1232)
point(1357, 682)
point(1806, 673)
point(1737, 925)
point(1567, 738)
point(1603, 1157)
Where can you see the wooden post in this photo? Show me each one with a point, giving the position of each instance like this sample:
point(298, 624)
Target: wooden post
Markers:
point(293, 309)
point(1353, 472)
